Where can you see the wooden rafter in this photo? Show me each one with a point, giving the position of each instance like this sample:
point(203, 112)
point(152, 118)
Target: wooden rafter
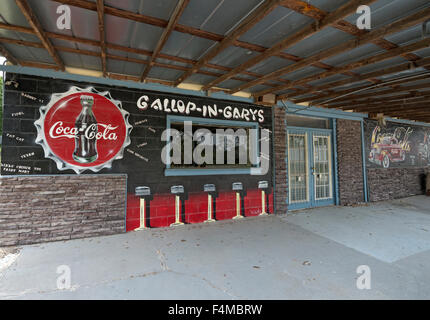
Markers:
point(188, 30)
point(110, 56)
point(101, 20)
point(35, 24)
point(35, 64)
point(133, 60)
point(379, 73)
point(412, 96)
point(394, 27)
point(120, 13)
point(311, 11)
point(354, 65)
point(5, 53)
point(174, 18)
point(163, 23)
point(424, 62)
point(400, 109)
point(380, 107)
point(421, 116)
point(257, 15)
point(304, 33)
point(307, 9)
point(348, 94)
point(109, 74)
point(96, 43)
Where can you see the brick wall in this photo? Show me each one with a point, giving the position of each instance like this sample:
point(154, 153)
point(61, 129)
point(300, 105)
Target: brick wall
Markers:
point(394, 183)
point(350, 162)
point(37, 209)
point(280, 149)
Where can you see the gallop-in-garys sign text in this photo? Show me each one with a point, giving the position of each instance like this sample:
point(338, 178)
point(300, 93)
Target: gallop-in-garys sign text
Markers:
point(206, 110)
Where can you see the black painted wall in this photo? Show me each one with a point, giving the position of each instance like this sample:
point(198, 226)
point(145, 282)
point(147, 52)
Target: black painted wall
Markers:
point(21, 109)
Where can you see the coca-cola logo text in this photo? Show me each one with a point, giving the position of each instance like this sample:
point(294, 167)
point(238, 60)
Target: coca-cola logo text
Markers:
point(82, 129)
point(91, 132)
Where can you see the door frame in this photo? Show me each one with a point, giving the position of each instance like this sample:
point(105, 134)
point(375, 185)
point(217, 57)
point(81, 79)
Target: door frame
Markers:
point(309, 132)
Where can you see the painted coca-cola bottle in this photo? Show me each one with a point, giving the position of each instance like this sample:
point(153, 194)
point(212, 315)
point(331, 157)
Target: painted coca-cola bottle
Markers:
point(86, 136)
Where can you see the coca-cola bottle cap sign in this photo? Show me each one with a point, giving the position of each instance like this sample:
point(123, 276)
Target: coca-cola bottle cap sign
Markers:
point(83, 129)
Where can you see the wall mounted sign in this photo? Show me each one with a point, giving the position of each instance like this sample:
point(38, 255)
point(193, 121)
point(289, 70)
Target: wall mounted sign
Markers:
point(396, 145)
point(83, 129)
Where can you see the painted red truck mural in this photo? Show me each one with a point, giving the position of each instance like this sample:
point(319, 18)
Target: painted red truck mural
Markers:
point(396, 144)
point(389, 147)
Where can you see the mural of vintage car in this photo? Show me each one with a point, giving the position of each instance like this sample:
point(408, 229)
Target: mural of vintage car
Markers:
point(389, 147)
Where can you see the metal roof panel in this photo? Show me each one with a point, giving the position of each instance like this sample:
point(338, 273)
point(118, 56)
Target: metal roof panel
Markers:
point(384, 12)
point(320, 41)
point(217, 16)
point(233, 57)
point(277, 25)
point(186, 46)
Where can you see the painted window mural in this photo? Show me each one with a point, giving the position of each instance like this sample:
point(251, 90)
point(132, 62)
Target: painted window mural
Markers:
point(396, 144)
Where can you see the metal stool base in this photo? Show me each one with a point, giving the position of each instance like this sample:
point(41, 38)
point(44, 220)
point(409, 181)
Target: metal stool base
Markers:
point(177, 224)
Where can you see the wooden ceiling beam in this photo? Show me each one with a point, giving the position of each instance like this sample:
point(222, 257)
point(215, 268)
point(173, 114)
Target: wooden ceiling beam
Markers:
point(173, 21)
point(121, 58)
point(382, 106)
point(394, 27)
point(96, 43)
point(396, 107)
point(129, 15)
point(348, 94)
point(307, 9)
point(124, 77)
point(114, 57)
point(35, 64)
point(424, 43)
point(110, 56)
point(9, 57)
point(418, 118)
point(363, 103)
point(37, 27)
point(416, 111)
point(163, 23)
point(342, 12)
point(424, 62)
point(109, 74)
point(101, 19)
point(378, 73)
point(311, 11)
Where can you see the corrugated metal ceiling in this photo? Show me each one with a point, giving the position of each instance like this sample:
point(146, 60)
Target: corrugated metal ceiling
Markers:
point(212, 19)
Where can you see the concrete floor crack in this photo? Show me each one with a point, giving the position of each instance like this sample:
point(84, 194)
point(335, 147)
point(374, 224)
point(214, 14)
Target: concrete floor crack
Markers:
point(224, 290)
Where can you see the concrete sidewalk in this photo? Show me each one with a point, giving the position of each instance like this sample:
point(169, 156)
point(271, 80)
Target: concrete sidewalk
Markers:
point(311, 254)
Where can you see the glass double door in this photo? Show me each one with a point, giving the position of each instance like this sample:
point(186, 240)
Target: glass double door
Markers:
point(310, 171)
